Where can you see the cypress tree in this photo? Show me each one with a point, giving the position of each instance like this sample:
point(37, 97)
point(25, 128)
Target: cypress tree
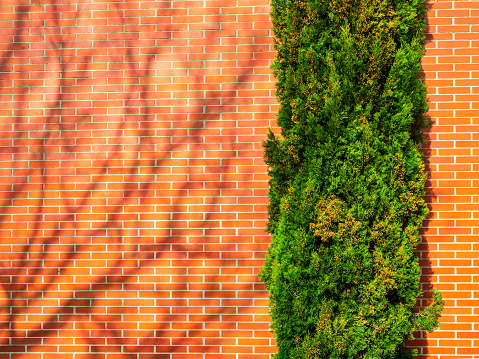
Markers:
point(347, 179)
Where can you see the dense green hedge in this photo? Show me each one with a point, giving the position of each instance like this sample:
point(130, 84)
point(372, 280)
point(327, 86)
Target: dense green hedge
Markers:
point(347, 179)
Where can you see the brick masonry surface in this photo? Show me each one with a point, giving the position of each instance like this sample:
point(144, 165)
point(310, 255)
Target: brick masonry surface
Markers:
point(133, 191)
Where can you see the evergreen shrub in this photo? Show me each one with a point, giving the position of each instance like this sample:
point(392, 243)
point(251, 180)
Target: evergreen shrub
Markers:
point(347, 179)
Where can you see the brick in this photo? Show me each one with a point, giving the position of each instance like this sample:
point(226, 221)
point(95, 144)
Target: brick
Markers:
point(151, 189)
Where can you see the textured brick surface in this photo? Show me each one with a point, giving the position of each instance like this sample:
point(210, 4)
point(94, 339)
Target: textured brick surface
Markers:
point(449, 250)
point(133, 192)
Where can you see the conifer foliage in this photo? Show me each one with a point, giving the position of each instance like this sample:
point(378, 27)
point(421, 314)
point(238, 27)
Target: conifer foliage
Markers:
point(347, 179)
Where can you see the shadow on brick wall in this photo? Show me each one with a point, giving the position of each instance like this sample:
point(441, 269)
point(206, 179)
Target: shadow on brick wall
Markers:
point(427, 246)
point(122, 175)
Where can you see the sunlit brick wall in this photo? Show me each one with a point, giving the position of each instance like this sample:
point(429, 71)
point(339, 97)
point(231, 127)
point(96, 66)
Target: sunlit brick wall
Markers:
point(449, 250)
point(133, 192)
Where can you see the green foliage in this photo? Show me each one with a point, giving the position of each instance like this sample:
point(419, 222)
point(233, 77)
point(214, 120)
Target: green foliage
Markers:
point(347, 179)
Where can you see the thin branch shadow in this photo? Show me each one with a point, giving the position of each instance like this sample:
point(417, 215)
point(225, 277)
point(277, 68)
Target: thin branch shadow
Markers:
point(86, 243)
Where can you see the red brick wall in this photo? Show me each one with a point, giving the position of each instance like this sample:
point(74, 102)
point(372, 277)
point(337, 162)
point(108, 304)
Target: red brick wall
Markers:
point(449, 250)
point(133, 192)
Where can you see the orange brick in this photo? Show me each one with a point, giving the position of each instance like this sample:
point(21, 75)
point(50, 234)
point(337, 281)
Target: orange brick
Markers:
point(141, 196)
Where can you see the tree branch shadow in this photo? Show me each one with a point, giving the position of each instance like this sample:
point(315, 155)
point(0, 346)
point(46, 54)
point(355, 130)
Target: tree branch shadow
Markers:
point(83, 240)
